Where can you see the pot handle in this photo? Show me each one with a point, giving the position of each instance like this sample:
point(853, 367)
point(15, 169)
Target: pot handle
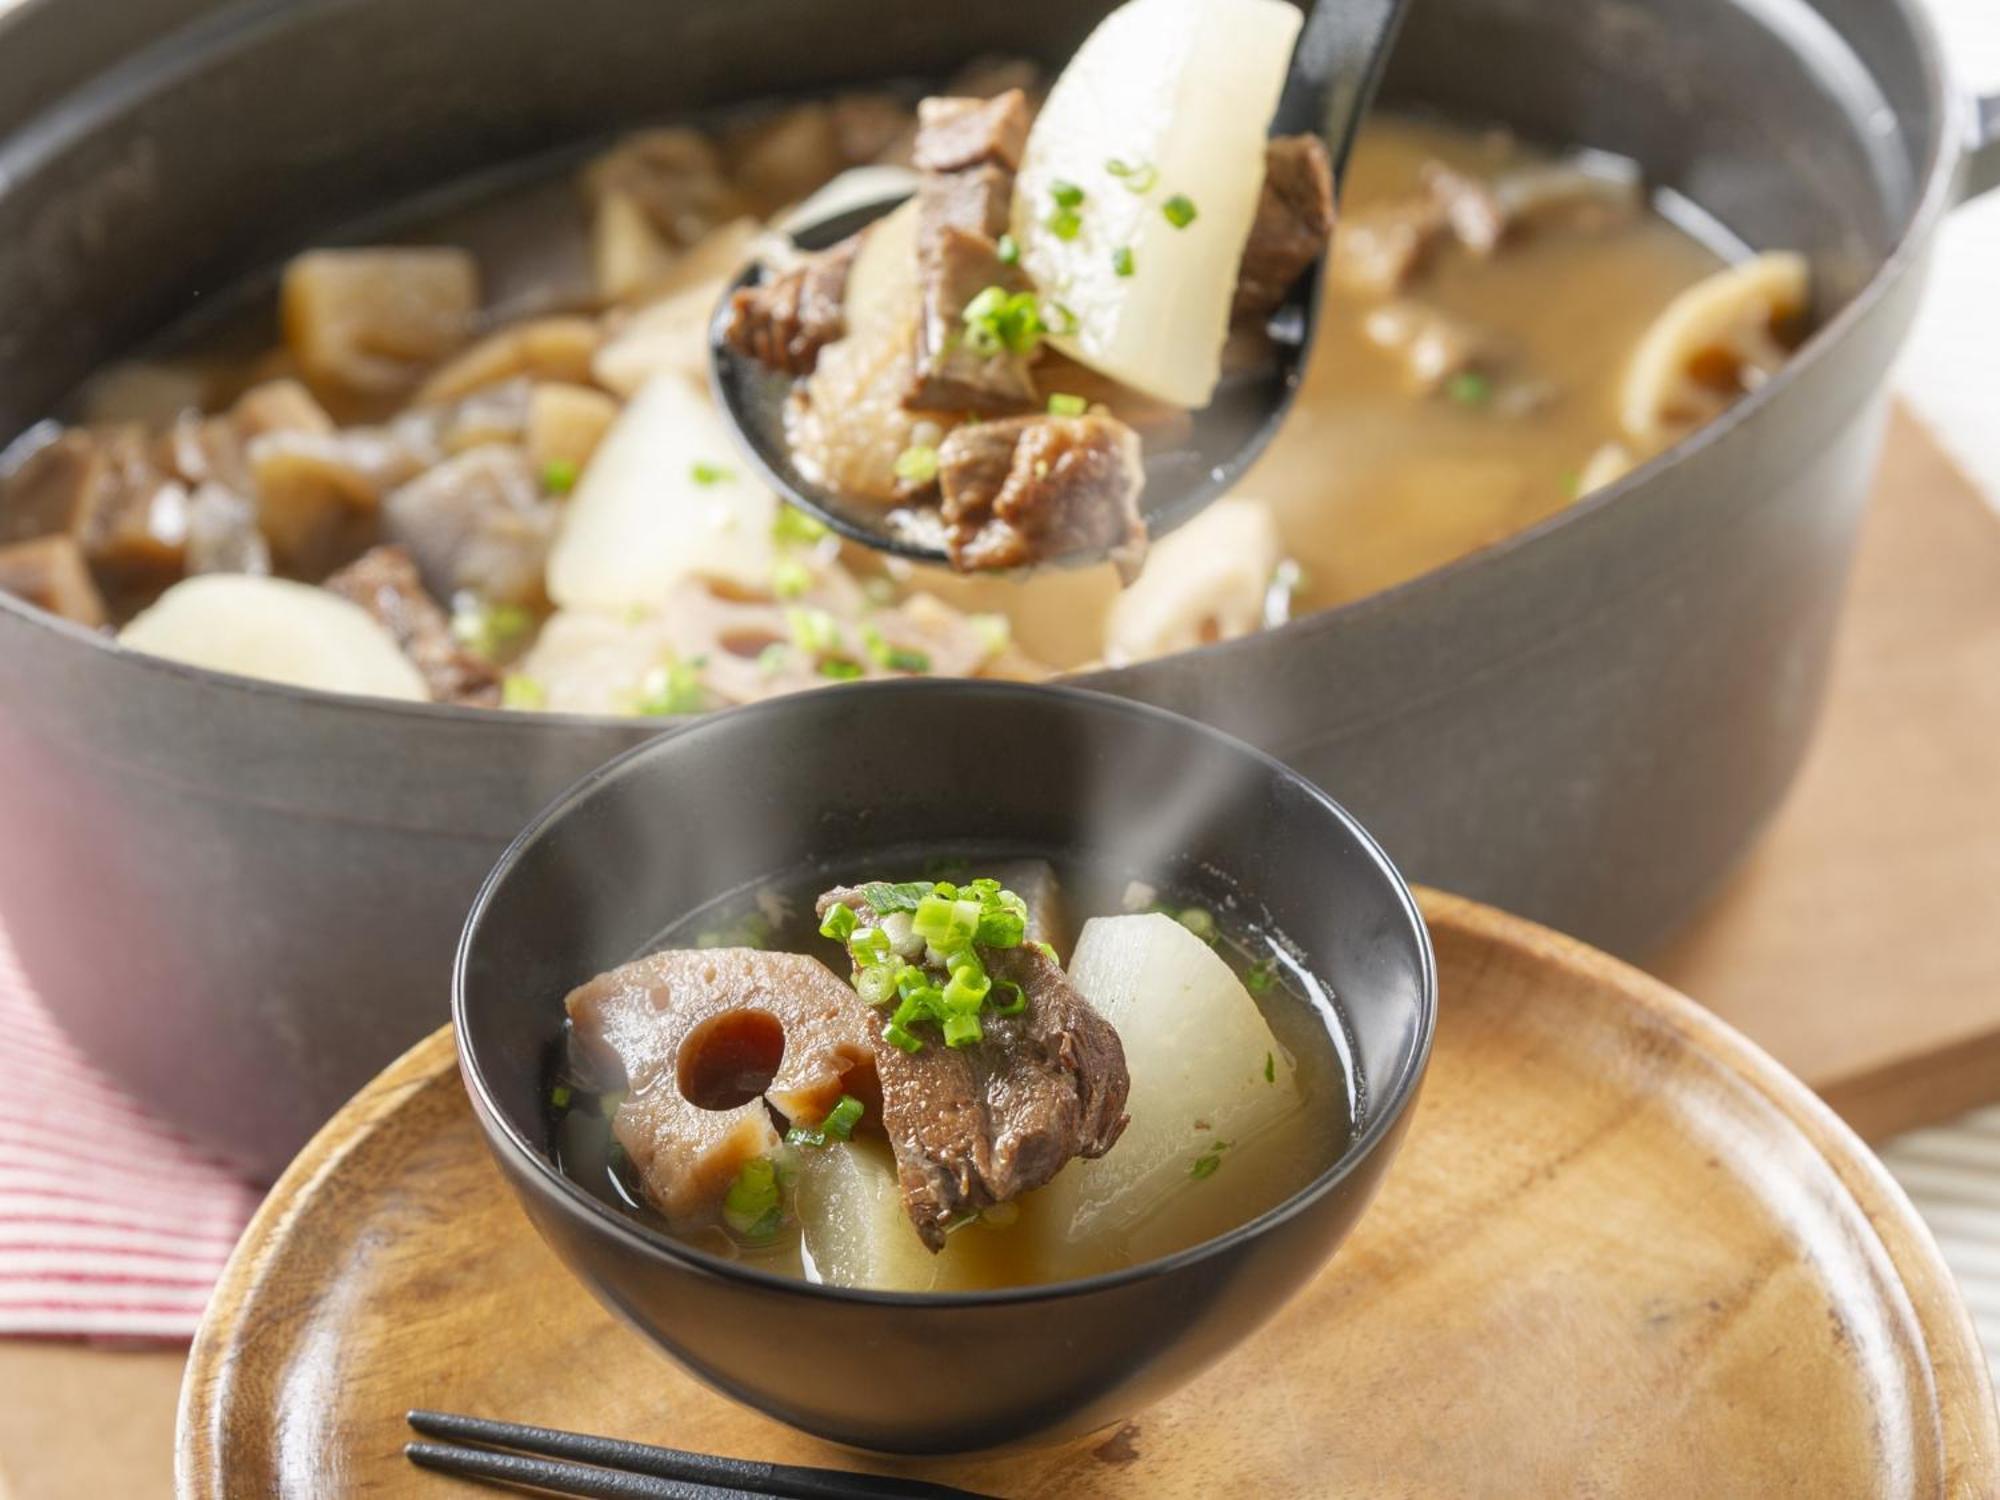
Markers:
point(1982, 162)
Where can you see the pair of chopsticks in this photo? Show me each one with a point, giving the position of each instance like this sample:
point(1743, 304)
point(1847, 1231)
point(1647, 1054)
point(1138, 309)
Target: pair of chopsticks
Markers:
point(573, 1463)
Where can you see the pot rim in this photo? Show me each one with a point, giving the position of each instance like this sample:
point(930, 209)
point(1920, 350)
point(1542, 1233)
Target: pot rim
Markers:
point(1952, 116)
point(551, 1187)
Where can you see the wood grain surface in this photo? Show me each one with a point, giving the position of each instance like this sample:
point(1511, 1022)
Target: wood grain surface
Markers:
point(1622, 1253)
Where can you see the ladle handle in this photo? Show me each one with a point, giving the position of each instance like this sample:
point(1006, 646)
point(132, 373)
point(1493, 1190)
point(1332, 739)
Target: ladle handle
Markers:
point(1335, 68)
point(1982, 162)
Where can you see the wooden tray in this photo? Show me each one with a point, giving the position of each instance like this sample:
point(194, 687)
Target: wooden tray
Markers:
point(1622, 1253)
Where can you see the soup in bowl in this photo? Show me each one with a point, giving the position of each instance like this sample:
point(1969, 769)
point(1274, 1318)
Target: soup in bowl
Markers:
point(933, 1103)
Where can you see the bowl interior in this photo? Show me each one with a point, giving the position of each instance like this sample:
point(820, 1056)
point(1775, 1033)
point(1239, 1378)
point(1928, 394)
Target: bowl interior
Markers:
point(774, 790)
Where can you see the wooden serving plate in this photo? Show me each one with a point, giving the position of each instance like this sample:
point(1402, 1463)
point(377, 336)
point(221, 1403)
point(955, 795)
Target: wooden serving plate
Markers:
point(1622, 1253)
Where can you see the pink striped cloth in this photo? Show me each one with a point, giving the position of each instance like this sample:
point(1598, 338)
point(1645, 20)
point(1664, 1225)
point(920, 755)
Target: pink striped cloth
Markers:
point(112, 1226)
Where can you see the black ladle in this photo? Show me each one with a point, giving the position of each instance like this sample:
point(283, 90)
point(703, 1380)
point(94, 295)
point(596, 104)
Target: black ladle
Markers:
point(1328, 88)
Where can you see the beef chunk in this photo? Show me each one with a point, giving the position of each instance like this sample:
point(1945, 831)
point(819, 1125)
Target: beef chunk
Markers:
point(954, 134)
point(951, 374)
point(701, 1034)
point(784, 321)
point(1031, 489)
point(53, 490)
point(105, 489)
point(969, 150)
point(980, 1125)
point(384, 581)
point(50, 573)
point(1293, 223)
point(476, 522)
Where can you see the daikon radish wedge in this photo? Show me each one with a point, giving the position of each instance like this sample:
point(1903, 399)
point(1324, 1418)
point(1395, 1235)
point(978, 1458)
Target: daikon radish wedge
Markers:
point(857, 1233)
point(275, 630)
point(1205, 1070)
point(1160, 120)
point(665, 498)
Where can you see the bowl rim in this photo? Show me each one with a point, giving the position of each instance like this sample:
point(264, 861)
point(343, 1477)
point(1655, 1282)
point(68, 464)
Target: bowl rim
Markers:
point(505, 1137)
point(1947, 122)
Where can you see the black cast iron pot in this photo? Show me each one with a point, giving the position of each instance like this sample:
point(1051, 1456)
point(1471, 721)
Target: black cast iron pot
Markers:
point(241, 899)
point(764, 794)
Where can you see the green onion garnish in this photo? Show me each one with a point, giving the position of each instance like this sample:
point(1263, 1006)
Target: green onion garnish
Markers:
point(1198, 920)
point(837, 1126)
point(1064, 405)
point(753, 1208)
point(1469, 388)
point(668, 689)
point(1204, 1166)
point(1571, 481)
point(707, 473)
point(813, 631)
point(917, 464)
point(793, 525)
point(771, 660)
point(996, 633)
point(560, 1096)
point(895, 658)
point(1139, 179)
point(1008, 249)
point(1065, 223)
point(998, 321)
point(1260, 976)
point(839, 669)
point(1180, 210)
point(493, 631)
point(518, 691)
point(790, 578)
point(952, 988)
point(1121, 260)
point(839, 922)
point(559, 476)
point(1270, 1067)
point(1066, 194)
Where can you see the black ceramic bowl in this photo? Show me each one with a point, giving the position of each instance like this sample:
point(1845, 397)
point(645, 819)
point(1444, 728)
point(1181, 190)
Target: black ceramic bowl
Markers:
point(768, 791)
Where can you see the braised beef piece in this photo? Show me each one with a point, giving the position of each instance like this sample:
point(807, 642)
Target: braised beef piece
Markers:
point(707, 1037)
point(968, 150)
point(1031, 489)
point(103, 488)
point(1293, 223)
point(477, 522)
point(951, 375)
point(384, 581)
point(979, 1125)
point(50, 573)
point(955, 134)
point(785, 320)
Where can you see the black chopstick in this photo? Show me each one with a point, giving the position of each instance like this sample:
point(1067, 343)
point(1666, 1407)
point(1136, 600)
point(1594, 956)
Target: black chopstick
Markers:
point(553, 1477)
point(702, 1476)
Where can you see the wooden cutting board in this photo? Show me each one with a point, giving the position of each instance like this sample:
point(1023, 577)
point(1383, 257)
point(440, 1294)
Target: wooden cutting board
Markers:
point(1621, 1253)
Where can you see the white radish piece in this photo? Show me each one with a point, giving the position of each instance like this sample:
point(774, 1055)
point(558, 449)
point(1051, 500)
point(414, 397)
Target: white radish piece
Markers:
point(665, 498)
point(1198, 1050)
point(1179, 95)
point(1205, 582)
point(857, 1232)
point(277, 631)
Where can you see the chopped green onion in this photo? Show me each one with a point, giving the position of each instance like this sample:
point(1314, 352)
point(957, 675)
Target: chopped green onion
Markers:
point(897, 1036)
point(1065, 224)
point(559, 476)
point(1139, 179)
point(917, 464)
point(895, 658)
point(1016, 1002)
point(1469, 388)
point(839, 922)
point(1198, 920)
point(1048, 951)
point(886, 898)
point(1260, 976)
point(962, 1030)
point(837, 1126)
point(839, 669)
point(1008, 249)
point(669, 689)
point(1180, 210)
point(813, 631)
point(876, 985)
point(996, 634)
point(707, 473)
point(1064, 322)
point(967, 989)
point(1204, 1166)
point(1270, 1067)
point(1121, 260)
point(793, 525)
point(771, 660)
point(1571, 481)
point(560, 1096)
point(997, 321)
point(946, 923)
point(752, 1207)
point(518, 691)
point(790, 578)
point(1066, 194)
point(493, 631)
point(1062, 404)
